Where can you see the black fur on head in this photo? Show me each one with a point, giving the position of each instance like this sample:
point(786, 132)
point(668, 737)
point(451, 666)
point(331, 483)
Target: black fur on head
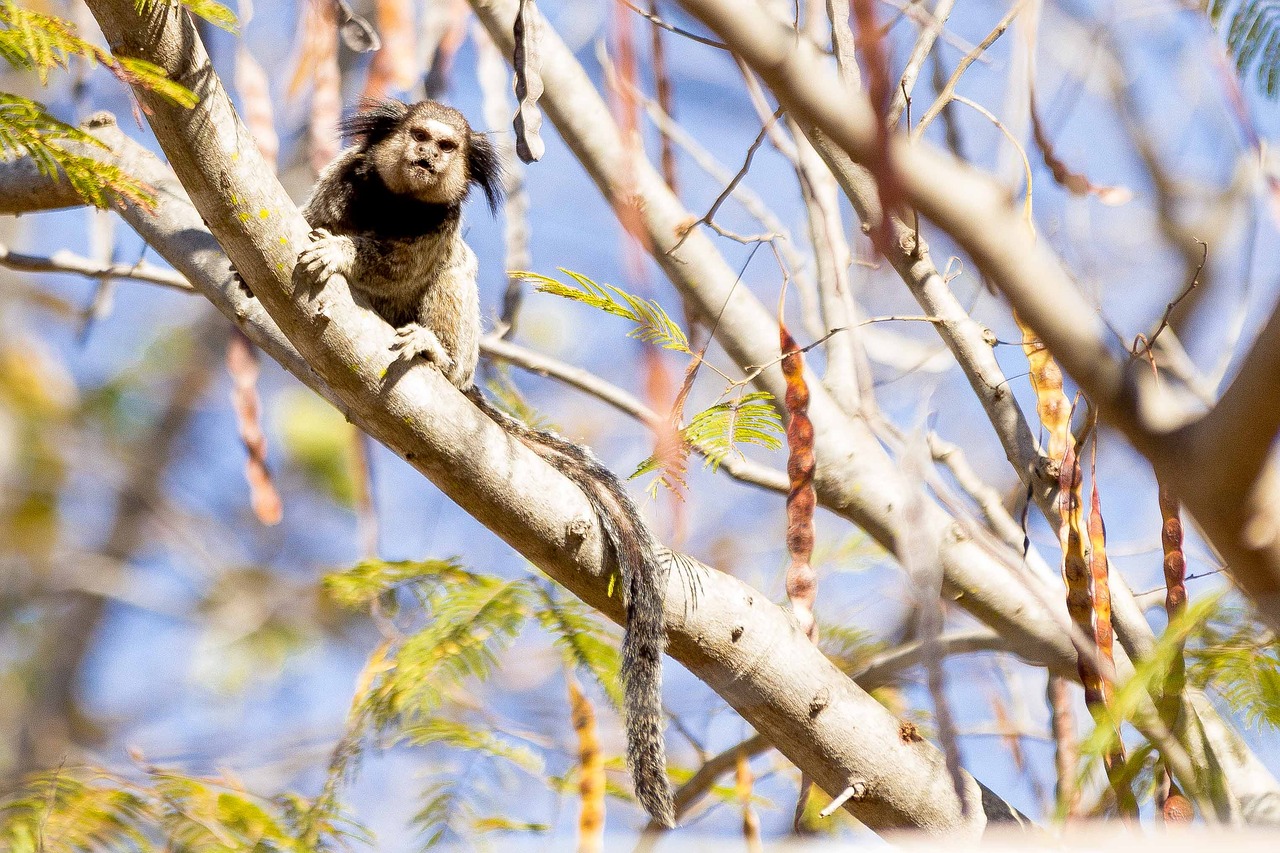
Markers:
point(375, 120)
point(485, 168)
point(378, 119)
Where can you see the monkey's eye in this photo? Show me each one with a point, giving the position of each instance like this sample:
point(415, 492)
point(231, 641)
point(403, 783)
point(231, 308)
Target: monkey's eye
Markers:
point(447, 145)
point(420, 135)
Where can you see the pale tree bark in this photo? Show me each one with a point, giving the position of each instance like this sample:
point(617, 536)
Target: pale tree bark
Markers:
point(726, 633)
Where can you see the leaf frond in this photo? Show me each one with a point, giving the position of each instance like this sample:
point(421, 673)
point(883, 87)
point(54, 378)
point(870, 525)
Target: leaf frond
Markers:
point(26, 130)
point(212, 11)
point(653, 324)
point(583, 639)
point(1252, 32)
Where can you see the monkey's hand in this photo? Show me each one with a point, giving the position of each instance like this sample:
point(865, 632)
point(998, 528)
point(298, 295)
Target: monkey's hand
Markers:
point(416, 339)
point(327, 256)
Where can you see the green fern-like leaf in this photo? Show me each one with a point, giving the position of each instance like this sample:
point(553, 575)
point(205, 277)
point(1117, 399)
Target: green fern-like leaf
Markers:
point(653, 324)
point(474, 740)
point(848, 647)
point(26, 130)
point(717, 431)
point(1239, 659)
point(1253, 37)
point(360, 585)
point(30, 41)
point(1148, 673)
point(81, 815)
point(449, 816)
point(212, 11)
point(750, 419)
point(87, 809)
point(583, 638)
point(469, 624)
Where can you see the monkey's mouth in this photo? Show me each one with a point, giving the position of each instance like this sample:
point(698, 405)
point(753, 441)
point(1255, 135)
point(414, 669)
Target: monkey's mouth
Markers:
point(424, 165)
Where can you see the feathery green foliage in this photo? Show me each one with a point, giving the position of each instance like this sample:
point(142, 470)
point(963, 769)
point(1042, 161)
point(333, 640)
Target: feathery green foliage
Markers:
point(469, 624)
point(31, 41)
point(369, 580)
point(1253, 37)
point(469, 618)
point(849, 647)
point(1238, 658)
point(71, 809)
point(582, 636)
point(474, 740)
point(750, 419)
point(507, 397)
point(716, 431)
point(1148, 673)
point(450, 816)
point(212, 11)
point(89, 810)
point(653, 324)
point(27, 130)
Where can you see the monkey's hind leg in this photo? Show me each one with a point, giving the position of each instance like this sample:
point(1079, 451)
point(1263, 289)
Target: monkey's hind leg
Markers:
point(415, 339)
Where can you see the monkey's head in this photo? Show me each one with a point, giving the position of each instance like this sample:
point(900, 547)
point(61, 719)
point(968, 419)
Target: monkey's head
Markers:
point(427, 150)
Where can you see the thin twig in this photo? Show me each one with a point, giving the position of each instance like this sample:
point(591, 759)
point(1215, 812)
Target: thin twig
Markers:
point(672, 28)
point(1142, 344)
point(67, 262)
point(948, 91)
point(727, 191)
point(1026, 163)
point(919, 53)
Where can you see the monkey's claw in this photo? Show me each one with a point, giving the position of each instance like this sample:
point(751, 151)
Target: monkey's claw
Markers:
point(240, 282)
point(327, 256)
point(415, 340)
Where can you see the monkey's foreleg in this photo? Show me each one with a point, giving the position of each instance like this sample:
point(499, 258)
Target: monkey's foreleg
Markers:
point(415, 339)
point(327, 256)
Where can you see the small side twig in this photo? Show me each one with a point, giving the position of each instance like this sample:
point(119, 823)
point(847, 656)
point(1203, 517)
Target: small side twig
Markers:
point(949, 90)
point(1142, 344)
point(728, 191)
point(672, 28)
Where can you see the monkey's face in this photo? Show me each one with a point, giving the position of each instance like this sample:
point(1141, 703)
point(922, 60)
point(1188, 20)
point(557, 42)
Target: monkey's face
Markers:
point(425, 157)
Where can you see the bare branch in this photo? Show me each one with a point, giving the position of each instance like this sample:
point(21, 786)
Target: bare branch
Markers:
point(69, 262)
point(920, 51)
point(589, 383)
point(972, 56)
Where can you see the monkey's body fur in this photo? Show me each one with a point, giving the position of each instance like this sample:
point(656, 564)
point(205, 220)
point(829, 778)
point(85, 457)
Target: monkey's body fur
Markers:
point(406, 258)
point(387, 214)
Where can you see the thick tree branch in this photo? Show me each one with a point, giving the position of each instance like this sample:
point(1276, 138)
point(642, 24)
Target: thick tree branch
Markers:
point(880, 671)
point(735, 640)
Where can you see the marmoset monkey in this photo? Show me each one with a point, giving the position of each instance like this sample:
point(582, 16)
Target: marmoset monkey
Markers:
point(387, 217)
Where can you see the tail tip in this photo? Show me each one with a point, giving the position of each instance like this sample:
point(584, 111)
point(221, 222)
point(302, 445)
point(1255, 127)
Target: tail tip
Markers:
point(659, 805)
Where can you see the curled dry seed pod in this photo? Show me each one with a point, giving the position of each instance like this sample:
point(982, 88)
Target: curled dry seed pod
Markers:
point(357, 33)
point(528, 66)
